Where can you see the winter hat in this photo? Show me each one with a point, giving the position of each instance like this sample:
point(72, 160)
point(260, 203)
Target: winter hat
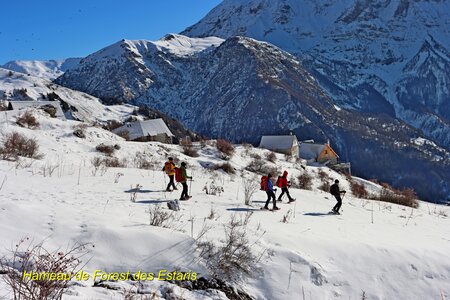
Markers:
point(183, 164)
point(270, 175)
point(336, 181)
point(285, 173)
point(170, 158)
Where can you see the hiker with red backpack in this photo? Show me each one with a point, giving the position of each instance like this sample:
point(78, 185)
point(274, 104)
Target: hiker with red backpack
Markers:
point(181, 176)
point(284, 183)
point(266, 185)
point(169, 168)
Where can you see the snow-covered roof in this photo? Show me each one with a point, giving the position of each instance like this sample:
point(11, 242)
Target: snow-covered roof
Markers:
point(19, 105)
point(144, 128)
point(310, 150)
point(278, 142)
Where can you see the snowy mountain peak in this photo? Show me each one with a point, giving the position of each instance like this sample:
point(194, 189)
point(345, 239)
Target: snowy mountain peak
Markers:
point(49, 69)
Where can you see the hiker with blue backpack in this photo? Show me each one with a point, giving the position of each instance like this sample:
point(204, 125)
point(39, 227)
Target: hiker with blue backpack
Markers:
point(267, 186)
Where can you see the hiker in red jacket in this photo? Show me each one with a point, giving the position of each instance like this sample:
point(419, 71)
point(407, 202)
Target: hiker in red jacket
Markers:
point(283, 183)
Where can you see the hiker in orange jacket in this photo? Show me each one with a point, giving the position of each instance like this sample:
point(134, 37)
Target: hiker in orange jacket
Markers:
point(284, 184)
point(169, 168)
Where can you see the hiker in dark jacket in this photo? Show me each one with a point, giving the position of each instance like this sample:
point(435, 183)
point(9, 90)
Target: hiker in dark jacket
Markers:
point(270, 194)
point(284, 184)
point(169, 168)
point(184, 178)
point(336, 192)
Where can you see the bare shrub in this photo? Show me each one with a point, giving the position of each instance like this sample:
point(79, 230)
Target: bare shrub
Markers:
point(287, 216)
point(250, 187)
point(27, 120)
point(225, 147)
point(79, 130)
point(271, 156)
point(143, 160)
point(261, 167)
point(97, 163)
point(226, 167)
point(325, 186)
point(212, 213)
point(358, 189)
point(112, 124)
point(161, 217)
point(288, 157)
point(16, 144)
point(406, 197)
point(233, 257)
point(323, 176)
point(3, 105)
point(188, 148)
point(255, 156)
point(304, 181)
point(105, 149)
point(26, 258)
point(114, 162)
point(48, 169)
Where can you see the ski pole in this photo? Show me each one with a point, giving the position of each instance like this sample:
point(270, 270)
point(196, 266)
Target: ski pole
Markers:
point(190, 187)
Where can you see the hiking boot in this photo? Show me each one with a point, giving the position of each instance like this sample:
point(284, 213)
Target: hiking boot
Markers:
point(175, 189)
point(279, 199)
point(168, 190)
point(291, 200)
point(265, 207)
point(276, 208)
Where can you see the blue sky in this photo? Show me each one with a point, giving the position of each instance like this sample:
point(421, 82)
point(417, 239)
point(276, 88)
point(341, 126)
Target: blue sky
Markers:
point(50, 29)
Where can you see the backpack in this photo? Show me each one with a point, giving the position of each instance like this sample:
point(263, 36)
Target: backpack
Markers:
point(334, 190)
point(168, 167)
point(264, 183)
point(178, 175)
point(280, 182)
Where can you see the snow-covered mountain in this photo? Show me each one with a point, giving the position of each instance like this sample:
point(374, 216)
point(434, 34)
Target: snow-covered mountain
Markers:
point(48, 69)
point(240, 89)
point(77, 105)
point(379, 56)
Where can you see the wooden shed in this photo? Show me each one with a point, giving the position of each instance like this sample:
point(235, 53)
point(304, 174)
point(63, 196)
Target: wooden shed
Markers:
point(321, 153)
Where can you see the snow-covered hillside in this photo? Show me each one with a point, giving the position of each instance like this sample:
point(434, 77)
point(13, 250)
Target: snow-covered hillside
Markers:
point(242, 88)
point(84, 107)
point(48, 69)
point(373, 56)
point(381, 250)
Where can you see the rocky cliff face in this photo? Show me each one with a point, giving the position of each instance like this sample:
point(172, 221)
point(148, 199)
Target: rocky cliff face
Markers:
point(240, 89)
point(381, 56)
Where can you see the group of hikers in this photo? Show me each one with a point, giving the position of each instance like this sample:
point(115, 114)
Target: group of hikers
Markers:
point(180, 175)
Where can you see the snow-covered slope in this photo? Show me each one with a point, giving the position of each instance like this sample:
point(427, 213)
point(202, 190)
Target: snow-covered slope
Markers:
point(241, 88)
point(381, 250)
point(387, 57)
point(78, 105)
point(48, 69)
